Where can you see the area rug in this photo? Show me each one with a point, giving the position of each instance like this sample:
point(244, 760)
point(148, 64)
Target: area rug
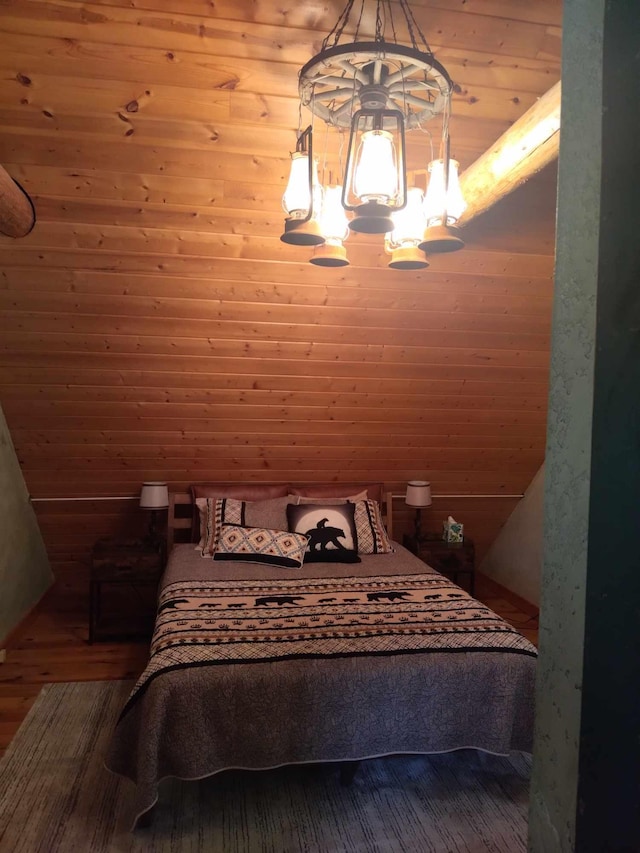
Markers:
point(55, 795)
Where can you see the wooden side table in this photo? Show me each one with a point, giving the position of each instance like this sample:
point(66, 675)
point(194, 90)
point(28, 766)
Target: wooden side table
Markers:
point(117, 563)
point(448, 558)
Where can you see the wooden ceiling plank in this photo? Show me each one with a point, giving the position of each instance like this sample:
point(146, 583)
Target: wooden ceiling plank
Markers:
point(212, 138)
point(226, 444)
point(230, 406)
point(307, 305)
point(54, 395)
point(224, 431)
point(534, 237)
point(457, 482)
point(441, 297)
point(42, 54)
point(263, 368)
point(100, 184)
point(124, 240)
point(241, 281)
point(394, 423)
point(25, 341)
point(469, 262)
point(55, 94)
point(227, 278)
point(548, 12)
point(319, 16)
point(334, 458)
point(187, 386)
point(241, 35)
point(433, 317)
point(482, 341)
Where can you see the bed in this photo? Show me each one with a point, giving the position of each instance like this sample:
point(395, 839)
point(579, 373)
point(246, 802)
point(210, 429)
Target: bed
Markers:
point(255, 666)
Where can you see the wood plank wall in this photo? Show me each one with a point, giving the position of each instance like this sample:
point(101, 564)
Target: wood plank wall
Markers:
point(153, 326)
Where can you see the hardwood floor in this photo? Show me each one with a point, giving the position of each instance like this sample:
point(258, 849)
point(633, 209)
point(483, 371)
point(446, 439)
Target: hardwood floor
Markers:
point(51, 645)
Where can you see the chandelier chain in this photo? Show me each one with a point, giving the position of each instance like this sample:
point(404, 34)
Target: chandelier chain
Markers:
point(384, 15)
point(357, 32)
point(413, 24)
point(387, 4)
point(338, 27)
point(379, 24)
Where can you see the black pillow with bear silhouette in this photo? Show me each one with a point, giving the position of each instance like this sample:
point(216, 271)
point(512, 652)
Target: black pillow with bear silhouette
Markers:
point(331, 531)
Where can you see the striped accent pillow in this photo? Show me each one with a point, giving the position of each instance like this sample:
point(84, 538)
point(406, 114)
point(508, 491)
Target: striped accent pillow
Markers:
point(261, 545)
point(372, 535)
point(214, 512)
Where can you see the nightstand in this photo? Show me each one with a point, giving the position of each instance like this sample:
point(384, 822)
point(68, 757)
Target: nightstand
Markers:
point(123, 566)
point(448, 558)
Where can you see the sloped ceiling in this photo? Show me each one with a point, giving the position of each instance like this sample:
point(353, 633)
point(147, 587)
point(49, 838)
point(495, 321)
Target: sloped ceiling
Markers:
point(155, 327)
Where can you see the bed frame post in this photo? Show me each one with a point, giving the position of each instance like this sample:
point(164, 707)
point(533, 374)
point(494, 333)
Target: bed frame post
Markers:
point(389, 519)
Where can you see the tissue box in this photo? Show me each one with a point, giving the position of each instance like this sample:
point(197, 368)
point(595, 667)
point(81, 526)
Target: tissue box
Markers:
point(452, 530)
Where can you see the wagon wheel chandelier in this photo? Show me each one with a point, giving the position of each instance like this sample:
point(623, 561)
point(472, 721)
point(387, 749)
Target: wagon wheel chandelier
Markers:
point(377, 91)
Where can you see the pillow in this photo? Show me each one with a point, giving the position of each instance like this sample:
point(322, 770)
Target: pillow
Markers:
point(260, 545)
point(372, 534)
point(331, 531)
point(339, 490)
point(214, 512)
point(270, 513)
point(238, 491)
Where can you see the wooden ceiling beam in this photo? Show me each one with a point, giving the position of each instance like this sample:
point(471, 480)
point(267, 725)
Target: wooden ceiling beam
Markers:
point(531, 143)
point(17, 214)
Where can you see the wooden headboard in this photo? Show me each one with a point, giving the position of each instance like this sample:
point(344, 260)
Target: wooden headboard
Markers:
point(181, 519)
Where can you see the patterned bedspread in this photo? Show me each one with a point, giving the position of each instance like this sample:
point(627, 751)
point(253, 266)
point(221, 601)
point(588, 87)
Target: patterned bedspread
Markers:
point(337, 662)
point(244, 621)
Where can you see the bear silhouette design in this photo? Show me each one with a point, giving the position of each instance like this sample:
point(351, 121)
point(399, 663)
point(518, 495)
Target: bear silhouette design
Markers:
point(265, 600)
point(321, 536)
point(396, 595)
point(172, 604)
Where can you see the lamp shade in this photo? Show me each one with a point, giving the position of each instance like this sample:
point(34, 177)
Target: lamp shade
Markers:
point(154, 495)
point(418, 493)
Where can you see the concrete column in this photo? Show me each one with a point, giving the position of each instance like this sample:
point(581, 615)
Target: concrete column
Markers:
point(586, 779)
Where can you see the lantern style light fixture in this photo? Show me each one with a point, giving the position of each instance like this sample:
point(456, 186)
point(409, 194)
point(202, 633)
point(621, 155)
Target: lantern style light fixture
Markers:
point(408, 231)
point(444, 204)
point(303, 196)
point(334, 227)
point(378, 88)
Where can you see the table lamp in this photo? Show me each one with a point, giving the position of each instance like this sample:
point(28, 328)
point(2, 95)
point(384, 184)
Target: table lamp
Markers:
point(419, 496)
point(154, 496)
